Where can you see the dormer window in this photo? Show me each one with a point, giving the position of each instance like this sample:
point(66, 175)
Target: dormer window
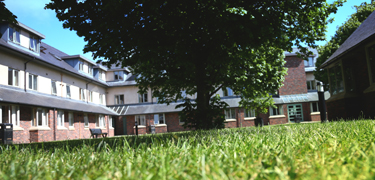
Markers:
point(80, 65)
point(14, 34)
point(33, 43)
point(90, 69)
point(119, 75)
point(309, 62)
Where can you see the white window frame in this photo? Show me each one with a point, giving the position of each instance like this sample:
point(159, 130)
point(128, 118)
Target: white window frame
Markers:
point(159, 118)
point(279, 110)
point(53, 88)
point(310, 62)
point(91, 98)
point(142, 98)
point(44, 120)
point(16, 38)
point(110, 122)
point(86, 120)
point(68, 93)
point(311, 107)
point(34, 41)
point(230, 113)
point(119, 74)
point(15, 77)
point(60, 118)
point(101, 98)
point(100, 121)
point(249, 113)
point(118, 98)
point(312, 84)
point(13, 114)
point(82, 94)
point(141, 119)
point(227, 92)
point(90, 69)
point(71, 119)
point(33, 81)
point(80, 65)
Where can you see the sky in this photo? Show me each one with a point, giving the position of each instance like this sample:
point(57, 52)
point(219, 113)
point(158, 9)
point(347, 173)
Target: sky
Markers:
point(32, 14)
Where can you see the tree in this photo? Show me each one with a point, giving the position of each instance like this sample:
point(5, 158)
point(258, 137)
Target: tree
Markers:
point(342, 33)
point(6, 15)
point(198, 46)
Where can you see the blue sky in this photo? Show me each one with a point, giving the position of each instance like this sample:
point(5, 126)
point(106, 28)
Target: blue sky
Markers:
point(33, 14)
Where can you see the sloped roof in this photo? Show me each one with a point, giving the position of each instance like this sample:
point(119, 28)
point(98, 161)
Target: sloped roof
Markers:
point(19, 96)
point(363, 32)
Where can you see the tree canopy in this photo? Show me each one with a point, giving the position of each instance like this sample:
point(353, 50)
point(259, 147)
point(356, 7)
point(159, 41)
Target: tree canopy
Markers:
point(198, 46)
point(342, 33)
point(6, 15)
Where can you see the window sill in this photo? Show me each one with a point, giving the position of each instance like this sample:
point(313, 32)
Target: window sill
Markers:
point(249, 118)
point(100, 128)
point(111, 128)
point(314, 113)
point(181, 123)
point(71, 128)
point(17, 128)
point(86, 128)
point(277, 116)
point(61, 128)
point(140, 127)
point(230, 120)
point(40, 128)
point(160, 125)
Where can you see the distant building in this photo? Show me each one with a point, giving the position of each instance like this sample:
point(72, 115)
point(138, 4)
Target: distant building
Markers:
point(351, 71)
point(49, 95)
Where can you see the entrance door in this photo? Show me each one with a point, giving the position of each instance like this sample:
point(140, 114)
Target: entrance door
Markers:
point(294, 110)
point(124, 125)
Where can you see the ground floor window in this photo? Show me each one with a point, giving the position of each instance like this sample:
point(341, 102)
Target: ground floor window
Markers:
point(86, 120)
point(314, 106)
point(10, 114)
point(71, 119)
point(40, 117)
point(336, 82)
point(141, 120)
point(60, 118)
point(159, 119)
point(100, 122)
point(230, 113)
point(278, 110)
point(249, 113)
point(111, 122)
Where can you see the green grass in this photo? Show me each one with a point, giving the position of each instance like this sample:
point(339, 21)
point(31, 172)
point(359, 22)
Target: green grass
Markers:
point(338, 150)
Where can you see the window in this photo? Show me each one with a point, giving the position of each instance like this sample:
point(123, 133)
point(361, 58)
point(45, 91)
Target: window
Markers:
point(91, 96)
point(13, 77)
point(314, 106)
point(80, 65)
point(276, 111)
point(40, 117)
point(119, 99)
point(86, 120)
point(159, 119)
point(33, 82)
point(100, 122)
point(33, 43)
point(309, 62)
point(335, 79)
point(119, 75)
point(101, 74)
point(60, 118)
point(230, 113)
point(71, 119)
point(180, 120)
point(14, 35)
point(90, 69)
point(111, 122)
point(371, 61)
point(68, 91)
point(227, 92)
point(249, 113)
point(53, 88)
point(10, 114)
point(101, 98)
point(141, 120)
point(81, 94)
point(311, 85)
point(142, 98)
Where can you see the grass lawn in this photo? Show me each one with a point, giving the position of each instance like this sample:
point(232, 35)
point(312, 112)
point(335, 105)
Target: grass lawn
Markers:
point(338, 150)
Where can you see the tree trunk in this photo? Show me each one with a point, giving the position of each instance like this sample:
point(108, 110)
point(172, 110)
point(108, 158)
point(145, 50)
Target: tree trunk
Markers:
point(204, 121)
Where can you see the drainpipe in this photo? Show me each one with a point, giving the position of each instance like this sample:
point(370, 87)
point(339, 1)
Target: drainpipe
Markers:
point(25, 72)
point(87, 90)
point(54, 124)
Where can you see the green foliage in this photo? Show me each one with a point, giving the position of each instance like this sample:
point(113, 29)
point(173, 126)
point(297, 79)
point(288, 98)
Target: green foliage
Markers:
point(342, 33)
point(198, 46)
point(335, 150)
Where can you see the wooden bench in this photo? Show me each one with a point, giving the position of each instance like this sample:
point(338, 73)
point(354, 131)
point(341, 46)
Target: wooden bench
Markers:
point(96, 132)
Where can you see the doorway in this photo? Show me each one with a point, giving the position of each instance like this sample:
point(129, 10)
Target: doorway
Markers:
point(294, 110)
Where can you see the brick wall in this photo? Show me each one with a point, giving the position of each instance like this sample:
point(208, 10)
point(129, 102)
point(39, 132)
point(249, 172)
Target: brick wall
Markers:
point(295, 81)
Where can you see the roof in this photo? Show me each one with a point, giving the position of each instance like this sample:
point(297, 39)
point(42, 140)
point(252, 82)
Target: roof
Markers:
point(78, 57)
point(363, 32)
point(19, 96)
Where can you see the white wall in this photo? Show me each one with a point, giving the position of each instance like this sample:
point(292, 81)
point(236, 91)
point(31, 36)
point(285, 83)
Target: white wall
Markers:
point(130, 94)
point(25, 39)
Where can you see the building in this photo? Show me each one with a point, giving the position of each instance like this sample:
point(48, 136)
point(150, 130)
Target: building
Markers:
point(49, 95)
point(351, 71)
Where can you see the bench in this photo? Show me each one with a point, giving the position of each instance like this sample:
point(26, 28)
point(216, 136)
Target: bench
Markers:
point(96, 132)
